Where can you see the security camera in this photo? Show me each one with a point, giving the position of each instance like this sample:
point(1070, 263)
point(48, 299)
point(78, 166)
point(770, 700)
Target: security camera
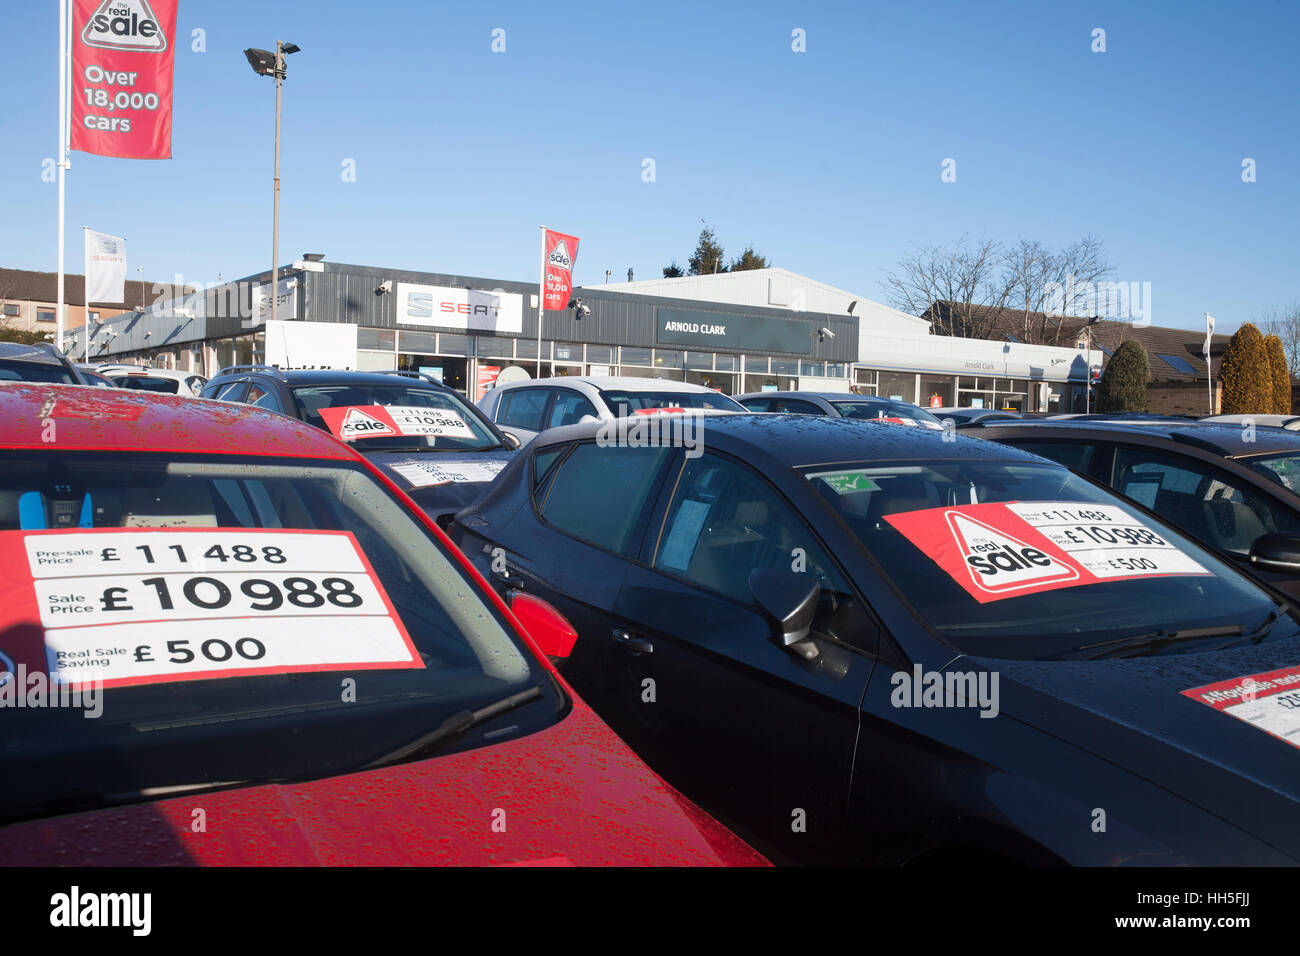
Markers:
point(385, 287)
point(826, 332)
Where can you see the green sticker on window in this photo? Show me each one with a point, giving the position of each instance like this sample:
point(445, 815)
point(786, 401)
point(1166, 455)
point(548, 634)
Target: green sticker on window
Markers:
point(847, 482)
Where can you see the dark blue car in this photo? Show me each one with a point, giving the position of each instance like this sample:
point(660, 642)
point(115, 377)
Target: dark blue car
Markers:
point(442, 451)
point(859, 644)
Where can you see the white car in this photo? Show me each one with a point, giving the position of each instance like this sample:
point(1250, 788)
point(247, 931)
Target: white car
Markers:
point(187, 384)
point(525, 409)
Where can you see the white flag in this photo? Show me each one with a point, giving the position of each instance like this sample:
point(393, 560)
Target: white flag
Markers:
point(1209, 331)
point(105, 268)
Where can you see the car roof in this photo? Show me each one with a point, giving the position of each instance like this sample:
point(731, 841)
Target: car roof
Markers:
point(109, 419)
point(631, 383)
point(137, 370)
point(825, 396)
point(1229, 441)
point(38, 352)
point(786, 440)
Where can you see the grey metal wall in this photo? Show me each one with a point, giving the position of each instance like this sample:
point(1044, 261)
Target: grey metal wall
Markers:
point(346, 293)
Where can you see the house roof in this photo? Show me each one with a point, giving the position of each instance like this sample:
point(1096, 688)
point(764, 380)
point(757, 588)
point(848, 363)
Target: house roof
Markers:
point(20, 285)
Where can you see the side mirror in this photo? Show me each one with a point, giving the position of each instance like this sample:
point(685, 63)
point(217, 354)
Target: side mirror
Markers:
point(1276, 552)
point(548, 628)
point(512, 439)
point(587, 418)
point(790, 602)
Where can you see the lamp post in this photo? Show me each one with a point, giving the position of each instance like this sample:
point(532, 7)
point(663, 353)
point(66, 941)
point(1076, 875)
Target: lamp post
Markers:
point(266, 63)
point(1087, 358)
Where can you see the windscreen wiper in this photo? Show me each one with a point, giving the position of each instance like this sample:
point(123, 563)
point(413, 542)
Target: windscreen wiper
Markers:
point(454, 726)
point(1157, 639)
point(1258, 634)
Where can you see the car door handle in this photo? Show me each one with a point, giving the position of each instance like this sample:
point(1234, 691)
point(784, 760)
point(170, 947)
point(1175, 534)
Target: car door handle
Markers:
point(635, 645)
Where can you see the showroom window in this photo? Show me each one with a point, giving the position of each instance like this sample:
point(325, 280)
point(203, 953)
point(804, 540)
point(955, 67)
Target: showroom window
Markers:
point(898, 386)
point(975, 392)
point(699, 360)
point(635, 356)
point(938, 391)
point(376, 339)
point(419, 343)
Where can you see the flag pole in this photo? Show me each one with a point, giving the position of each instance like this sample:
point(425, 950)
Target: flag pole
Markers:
point(541, 300)
point(1209, 369)
point(64, 110)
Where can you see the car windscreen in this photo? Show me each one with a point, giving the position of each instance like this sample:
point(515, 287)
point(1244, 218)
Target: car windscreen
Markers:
point(1283, 468)
point(467, 432)
point(1025, 560)
point(16, 370)
point(246, 619)
point(147, 383)
point(886, 409)
point(624, 402)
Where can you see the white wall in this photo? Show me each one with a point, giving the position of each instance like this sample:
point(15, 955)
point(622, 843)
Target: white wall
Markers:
point(311, 344)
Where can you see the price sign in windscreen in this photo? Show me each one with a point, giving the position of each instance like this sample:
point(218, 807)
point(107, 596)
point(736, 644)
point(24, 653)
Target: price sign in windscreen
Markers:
point(135, 607)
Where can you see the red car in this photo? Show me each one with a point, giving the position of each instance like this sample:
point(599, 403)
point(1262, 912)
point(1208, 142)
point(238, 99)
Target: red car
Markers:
point(226, 638)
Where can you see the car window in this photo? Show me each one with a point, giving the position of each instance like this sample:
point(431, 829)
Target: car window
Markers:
point(20, 371)
point(466, 429)
point(195, 382)
point(796, 406)
point(243, 592)
point(725, 521)
point(569, 408)
point(1201, 499)
point(263, 398)
point(625, 402)
point(524, 408)
point(1028, 560)
point(1076, 455)
point(904, 411)
point(578, 501)
point(1283, 468)
point(758, 404)
point(147, 383)
point(542, 462)
point(232, 392)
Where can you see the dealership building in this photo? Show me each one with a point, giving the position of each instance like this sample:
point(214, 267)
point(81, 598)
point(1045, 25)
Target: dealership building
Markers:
point(737, 332)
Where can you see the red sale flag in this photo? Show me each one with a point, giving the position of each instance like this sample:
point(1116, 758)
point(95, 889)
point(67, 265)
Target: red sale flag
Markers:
point(122, 55)
point(559, 253)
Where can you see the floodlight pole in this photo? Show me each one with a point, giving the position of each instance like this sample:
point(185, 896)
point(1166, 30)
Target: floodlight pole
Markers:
point(275, 224)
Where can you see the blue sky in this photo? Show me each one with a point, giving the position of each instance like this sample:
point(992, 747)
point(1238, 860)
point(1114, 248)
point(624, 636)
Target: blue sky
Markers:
point(827, 161)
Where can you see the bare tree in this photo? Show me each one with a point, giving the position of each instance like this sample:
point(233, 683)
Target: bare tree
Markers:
point(1048, 284)
point(960, 285)
point(969, 288)
point(1284, 322)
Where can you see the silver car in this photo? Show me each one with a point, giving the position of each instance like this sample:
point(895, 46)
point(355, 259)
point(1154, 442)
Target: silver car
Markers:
point(525, 409)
